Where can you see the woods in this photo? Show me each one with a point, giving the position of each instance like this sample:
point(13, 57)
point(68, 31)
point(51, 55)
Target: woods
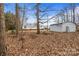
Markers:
point(57, 29)
point(10, 21)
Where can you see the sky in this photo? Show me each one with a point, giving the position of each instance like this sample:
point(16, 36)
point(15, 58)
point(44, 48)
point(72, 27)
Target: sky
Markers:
point(30, 14)
point(11, 7)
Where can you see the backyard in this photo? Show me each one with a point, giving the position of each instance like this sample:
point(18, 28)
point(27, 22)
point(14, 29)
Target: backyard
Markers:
point(46, 43)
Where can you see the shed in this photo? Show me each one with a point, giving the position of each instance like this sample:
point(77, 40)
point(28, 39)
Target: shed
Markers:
point(63, 27)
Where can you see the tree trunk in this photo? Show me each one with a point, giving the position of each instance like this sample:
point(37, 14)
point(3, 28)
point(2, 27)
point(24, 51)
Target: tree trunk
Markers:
point(67, 18)
point(37, 16)
point(2, 31)
point(17, 20)
point(73, 10)
point(47, 23)
point(23, 18)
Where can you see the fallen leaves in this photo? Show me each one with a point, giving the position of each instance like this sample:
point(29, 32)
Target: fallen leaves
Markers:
point(44, 44)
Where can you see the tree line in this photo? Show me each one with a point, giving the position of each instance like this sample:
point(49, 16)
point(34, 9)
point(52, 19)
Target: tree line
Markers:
point(10, 21)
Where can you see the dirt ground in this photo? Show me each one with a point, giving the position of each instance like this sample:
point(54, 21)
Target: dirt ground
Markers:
point(44, 44)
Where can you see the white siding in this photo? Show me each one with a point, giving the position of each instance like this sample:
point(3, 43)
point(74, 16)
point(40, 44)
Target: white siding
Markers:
point(65, 27)
point(68, 27)
point(57, 28)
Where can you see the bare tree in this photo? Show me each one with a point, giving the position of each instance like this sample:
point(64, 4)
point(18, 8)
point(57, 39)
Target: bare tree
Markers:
point(23, 17)
point(66, 15)
point(2, 31)
point(72, 5)
point(37, 16)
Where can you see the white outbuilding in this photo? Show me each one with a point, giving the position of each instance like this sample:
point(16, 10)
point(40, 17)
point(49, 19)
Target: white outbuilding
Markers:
point(63, 27)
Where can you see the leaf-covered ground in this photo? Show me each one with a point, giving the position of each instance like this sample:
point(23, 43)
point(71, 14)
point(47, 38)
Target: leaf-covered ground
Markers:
point(44, 44)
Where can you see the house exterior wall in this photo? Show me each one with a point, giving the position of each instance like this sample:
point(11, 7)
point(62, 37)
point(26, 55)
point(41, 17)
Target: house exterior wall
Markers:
point(65, 27)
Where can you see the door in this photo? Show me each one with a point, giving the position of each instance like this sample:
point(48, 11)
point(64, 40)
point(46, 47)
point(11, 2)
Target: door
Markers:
point(67, 29)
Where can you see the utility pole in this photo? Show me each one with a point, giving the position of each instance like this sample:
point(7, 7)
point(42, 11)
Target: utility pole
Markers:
point(2, 31)
point(37, 16)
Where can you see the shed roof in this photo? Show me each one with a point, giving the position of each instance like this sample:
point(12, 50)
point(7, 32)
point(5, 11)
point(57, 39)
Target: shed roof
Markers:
point(61, 23)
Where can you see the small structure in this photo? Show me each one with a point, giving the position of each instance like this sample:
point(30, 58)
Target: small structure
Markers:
point(63, 27)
